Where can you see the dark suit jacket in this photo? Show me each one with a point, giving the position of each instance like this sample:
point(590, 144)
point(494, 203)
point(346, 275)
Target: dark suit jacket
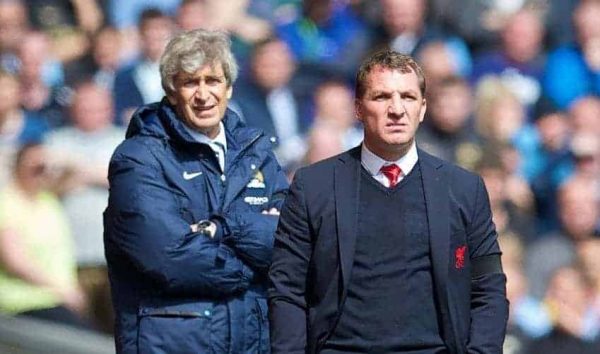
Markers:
point(314, 254)
point(126, 93)
point(252, 101)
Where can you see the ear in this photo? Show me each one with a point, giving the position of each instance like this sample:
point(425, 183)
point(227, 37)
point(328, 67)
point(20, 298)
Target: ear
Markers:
point(423, 110)
point(229, 92)
point(358, 109)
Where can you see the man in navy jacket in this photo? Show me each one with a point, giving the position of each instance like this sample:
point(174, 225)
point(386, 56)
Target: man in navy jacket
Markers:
point(385, 248)
point(194, 198)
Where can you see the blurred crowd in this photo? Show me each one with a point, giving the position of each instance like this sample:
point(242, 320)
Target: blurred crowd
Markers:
point(513, 92)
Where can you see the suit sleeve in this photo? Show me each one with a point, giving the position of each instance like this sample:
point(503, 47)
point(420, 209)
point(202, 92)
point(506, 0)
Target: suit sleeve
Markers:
point(287, 287)
point(489, 306)
point(144, 225)
point(252, 233)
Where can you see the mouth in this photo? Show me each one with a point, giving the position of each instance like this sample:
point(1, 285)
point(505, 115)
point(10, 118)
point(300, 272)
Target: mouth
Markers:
point(203, 109)
point(396, 126)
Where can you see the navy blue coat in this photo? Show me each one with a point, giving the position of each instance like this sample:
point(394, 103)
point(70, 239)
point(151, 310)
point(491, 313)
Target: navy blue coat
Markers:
point(314, 255)
point(176, 291)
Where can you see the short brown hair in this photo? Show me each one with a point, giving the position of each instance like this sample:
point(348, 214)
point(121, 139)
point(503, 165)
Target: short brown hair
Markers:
point(388, 59)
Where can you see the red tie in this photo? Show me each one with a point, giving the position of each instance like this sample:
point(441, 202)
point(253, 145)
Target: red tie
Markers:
point(391, 172)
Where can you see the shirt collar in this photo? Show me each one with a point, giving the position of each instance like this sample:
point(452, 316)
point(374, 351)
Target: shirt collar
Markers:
point(220, 139)
point(373, 163)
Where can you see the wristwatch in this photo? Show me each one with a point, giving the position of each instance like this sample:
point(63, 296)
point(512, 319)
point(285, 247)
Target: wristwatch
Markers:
point(205, 227)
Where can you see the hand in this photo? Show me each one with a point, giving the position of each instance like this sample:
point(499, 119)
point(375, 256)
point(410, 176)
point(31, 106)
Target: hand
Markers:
point(206, 227)
point(272, 211)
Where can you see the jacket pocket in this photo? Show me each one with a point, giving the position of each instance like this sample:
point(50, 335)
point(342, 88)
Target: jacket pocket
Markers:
point(257, 336)
point(175, 328)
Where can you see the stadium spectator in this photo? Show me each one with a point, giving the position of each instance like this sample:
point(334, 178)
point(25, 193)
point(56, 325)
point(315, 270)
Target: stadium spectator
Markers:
point(125, 15)
point(138, 83)
point(519, 62)
point(244, 29)
point(328, 37)
point(82, 152)
point(191, 14)
point(447, 131)
point(527, 316)
point(511, 207)
point(573, 70)
point(17, 127)
point(333, 104)
point(575, 327)
point(41, 77)
point(479, 22)
point(405, 30)
point(37, 273)
point(585, 148)
point(578, 212)
point(13, 25)
point(501, 118)
point(101, 64)
point(584, 115)
point(550, 163)
point(440, 61)
point(325, 140)
point(67, 23)
point(269, 99)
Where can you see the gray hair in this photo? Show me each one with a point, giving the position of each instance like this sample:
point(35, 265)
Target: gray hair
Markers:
point(190, 50)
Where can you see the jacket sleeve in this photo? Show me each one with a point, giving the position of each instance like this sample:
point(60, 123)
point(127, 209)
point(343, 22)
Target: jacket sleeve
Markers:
point(288, 273)
point(489, 306)
point(251, 233)
point(144, 225)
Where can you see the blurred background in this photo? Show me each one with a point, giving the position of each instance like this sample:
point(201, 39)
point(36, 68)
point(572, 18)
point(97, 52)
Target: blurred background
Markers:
point(513, 94)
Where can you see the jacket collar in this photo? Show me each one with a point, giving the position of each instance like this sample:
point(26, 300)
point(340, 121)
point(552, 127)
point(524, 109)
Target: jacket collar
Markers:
point(160, 120)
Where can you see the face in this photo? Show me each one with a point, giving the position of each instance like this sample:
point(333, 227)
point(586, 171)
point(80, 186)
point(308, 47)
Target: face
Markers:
point(402, 15)
point(585, 20)
point(31, 171)
point(154, 36)
point(523, 36)
point(92, 108)
point(9, 95)
point(13, 22)
point(450, 108)
point(334, 103)
point(272, 65)
point(201, 98)
point(107, 49)
point(578, 210)
point(391, 110)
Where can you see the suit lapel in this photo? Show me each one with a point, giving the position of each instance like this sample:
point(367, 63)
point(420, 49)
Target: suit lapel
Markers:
point(346, 185)
point(435, 186)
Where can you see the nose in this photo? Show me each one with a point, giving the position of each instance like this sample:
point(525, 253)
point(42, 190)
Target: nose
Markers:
point(396, 106)
point(202, 93)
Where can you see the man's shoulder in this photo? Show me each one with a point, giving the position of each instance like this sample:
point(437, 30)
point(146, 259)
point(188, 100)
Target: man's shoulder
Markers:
point(459, 180)
point(449, 168)
point(137, 148)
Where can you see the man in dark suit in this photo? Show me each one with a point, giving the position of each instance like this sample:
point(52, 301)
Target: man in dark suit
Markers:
point(385, 248)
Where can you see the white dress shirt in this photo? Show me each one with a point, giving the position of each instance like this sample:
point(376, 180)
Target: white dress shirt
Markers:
point(373, 163)
point(218, 144)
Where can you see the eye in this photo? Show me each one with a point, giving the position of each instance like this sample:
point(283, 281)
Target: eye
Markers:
point(212, 81)
point(189, 83)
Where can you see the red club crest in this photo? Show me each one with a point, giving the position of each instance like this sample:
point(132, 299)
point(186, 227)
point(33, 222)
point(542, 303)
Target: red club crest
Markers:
point(459, 257)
